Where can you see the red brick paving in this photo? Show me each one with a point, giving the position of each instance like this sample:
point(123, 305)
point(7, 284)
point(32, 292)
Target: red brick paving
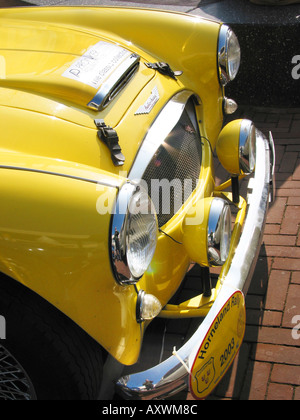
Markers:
point(268, 365)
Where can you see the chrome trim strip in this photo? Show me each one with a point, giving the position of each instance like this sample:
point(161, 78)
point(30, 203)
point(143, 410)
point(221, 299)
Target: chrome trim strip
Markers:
point(115, 83)
point(246, 147)
point(222, 55)
point(171, 376)
point(120, 246)
point(162, 126)
point(118, 236)
point(106, 183)
point(273, 157)
point(242, 266)
point(219, 212)
point(224, 71)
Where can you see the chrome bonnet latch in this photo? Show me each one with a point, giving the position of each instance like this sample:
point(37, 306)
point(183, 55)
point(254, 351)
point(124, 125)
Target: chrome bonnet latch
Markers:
point(165, 69)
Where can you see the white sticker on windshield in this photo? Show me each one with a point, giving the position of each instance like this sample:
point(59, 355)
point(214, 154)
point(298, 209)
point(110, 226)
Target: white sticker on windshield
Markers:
point(97, 64)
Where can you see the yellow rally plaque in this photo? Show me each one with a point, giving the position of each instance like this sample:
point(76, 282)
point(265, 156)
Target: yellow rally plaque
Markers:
point(220, 346)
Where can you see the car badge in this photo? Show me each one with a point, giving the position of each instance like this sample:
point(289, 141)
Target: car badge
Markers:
point(150, 103)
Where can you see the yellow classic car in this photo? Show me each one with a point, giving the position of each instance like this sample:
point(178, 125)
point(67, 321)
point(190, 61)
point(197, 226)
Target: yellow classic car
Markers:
point(110, 118)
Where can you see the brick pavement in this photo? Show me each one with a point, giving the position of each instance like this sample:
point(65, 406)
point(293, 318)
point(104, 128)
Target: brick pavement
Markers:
point(268, 365)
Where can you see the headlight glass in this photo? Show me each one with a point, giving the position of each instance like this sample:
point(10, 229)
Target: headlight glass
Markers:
point(133, 234)
point(219, 232)
point(229, 55)
point(148, 306)
point(141, 234)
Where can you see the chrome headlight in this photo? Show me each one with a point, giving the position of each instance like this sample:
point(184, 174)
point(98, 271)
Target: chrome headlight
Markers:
point(218, 232)
point(229, 55)
point(207, 232)
point(133, 234)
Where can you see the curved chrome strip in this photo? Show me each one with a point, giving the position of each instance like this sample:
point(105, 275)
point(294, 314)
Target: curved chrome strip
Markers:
point(242, 266)
point(219, 211)
point(246, 147)
point(222, 55)
point(106, 183)
point(171, 376)
point(162, 126)
point(224, 71)
point(118, 235)
point(120, 247)
point(115, 83)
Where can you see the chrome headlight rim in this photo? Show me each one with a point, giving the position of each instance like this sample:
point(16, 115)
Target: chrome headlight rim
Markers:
point(247, 147)
point(227, 41)
point(122, 232)
point(218, 232)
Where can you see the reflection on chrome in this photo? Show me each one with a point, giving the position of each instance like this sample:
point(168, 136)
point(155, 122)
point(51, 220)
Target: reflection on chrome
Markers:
point(247, 147)
point(133, 234)
point(219, 232)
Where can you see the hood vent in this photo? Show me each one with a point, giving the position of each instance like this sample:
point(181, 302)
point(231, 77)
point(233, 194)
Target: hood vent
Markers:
point(115, 83)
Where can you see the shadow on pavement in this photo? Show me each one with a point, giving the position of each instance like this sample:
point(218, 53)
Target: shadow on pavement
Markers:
point(14, 3)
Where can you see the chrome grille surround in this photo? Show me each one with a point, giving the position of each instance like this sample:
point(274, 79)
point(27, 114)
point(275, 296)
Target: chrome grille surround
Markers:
point(168, 162)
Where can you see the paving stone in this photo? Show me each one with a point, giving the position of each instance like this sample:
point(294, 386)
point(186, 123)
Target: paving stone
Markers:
point(296, 174)
point(297, 394)
point(291, 220)
point(256, 381)
point(294, 201)
point(292, 305)
point(269, 335)
point(272, 229)
point(280, 251)
point(280, 392)
point(288, 162)
point(277, 354)
point(286, 264)
point(285, 192)
point(282, 240)
point(276, 211)
point(295, 278)
point(277, 290)
point(286, 374)
point(271, 318)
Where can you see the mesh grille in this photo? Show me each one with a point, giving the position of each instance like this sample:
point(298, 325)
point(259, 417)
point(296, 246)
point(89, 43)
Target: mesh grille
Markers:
point(174, 170)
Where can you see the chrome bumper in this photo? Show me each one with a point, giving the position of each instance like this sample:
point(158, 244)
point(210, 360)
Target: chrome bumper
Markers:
point(172, 375)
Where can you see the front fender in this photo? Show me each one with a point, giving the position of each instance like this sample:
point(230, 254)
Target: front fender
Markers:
point(54, 241)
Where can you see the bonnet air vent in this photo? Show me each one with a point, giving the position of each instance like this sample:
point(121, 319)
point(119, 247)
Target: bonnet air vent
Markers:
point(115, 83)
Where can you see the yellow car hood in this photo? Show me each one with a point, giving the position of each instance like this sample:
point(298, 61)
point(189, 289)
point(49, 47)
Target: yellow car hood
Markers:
point(49, 78)
point(65, 66)
point(50, 73)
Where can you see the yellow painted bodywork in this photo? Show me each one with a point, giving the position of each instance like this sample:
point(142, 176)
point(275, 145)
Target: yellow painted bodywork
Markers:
point(53, 168)
point(227, 147)
point(199, 306)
